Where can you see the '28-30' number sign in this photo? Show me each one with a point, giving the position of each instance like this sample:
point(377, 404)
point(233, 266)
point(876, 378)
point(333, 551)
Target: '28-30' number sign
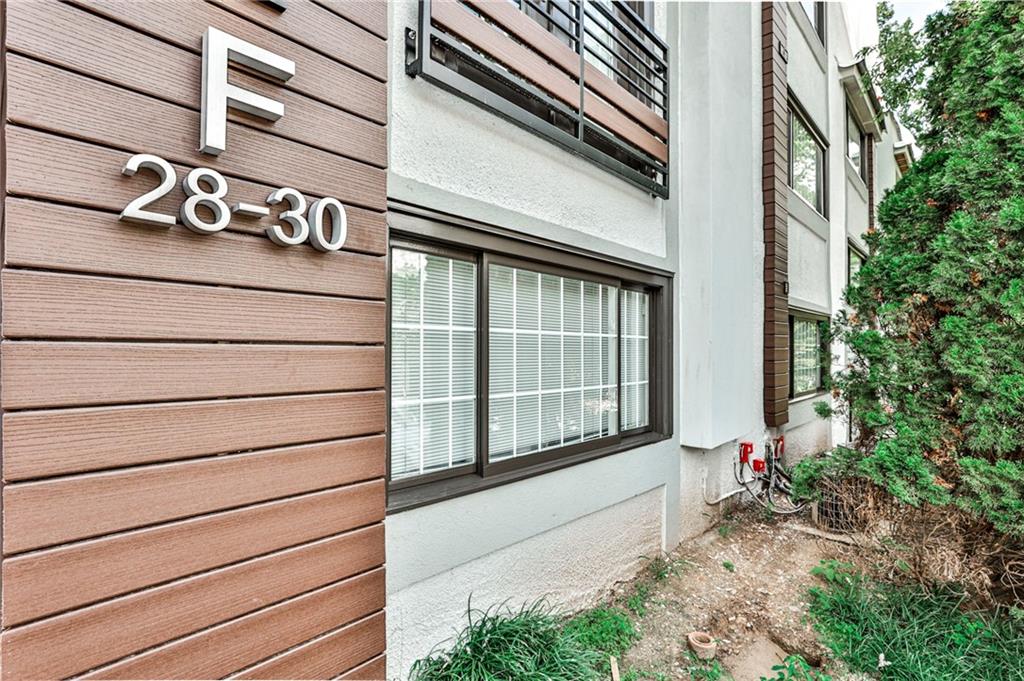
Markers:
point(304, 226)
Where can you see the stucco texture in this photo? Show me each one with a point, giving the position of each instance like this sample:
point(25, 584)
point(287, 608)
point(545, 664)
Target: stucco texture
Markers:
point(571, 565)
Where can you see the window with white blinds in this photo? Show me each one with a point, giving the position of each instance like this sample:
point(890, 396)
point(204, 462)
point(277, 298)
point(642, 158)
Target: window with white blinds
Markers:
point(635, 350)
point(553, 366)
point(433, 363)
point(807, 347)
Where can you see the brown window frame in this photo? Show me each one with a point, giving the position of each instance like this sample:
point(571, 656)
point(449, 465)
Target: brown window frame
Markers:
point(822, 322)
point(421, 231)
point(797, 112)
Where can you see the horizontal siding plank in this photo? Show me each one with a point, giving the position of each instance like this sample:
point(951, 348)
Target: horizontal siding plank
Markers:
point(107, 631)
point(66, 509)
point(370, 14)
point(68, 37)
point(43, 582)
point(54, 442)
point(320, 29)
point(24, 648)
point(183, 24)
point(326, 656)
point(374, 670)
point(45, 166)
point(54, 305)
point(45, 374)
point(38, 235)
point(94, 111)
point(233, 645)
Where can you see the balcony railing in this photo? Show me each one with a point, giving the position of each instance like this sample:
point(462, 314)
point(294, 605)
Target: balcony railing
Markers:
point(589, 75)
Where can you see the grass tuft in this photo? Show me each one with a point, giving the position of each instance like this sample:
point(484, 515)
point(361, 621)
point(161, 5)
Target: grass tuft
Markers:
point(911, 633)
point(530, 644)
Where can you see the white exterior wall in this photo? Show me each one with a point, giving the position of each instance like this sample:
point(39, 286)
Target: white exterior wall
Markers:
point(543, 536)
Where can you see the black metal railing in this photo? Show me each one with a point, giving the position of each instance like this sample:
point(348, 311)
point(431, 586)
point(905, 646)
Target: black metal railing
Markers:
point(594, 80)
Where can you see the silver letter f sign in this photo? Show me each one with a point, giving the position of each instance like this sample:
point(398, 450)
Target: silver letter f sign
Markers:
point(218, 94)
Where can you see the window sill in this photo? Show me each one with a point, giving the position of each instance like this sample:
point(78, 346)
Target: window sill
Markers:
point(808, 396)
point(449, 488)
point(856, 179)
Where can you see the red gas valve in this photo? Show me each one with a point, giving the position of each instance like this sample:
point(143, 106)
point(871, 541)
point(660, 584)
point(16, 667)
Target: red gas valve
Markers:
point(758, 465)
point(746, 449)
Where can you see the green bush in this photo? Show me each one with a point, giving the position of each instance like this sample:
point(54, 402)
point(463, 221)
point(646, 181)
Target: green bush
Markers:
point(912, 634)
point(935, 377)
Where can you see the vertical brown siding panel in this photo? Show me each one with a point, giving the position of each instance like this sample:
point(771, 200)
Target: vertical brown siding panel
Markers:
point(192, 445)
point(775, 163)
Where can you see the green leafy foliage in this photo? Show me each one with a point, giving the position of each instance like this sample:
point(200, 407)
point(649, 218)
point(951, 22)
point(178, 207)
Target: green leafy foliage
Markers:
point(530, 644)
point(795, 668)
point(637, 601)
point(935, 377)
point(910, 633)
point(606, 630)
point(706, 670)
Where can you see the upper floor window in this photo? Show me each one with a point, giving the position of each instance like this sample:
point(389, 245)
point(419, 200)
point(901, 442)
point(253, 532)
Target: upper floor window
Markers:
point(855, 260)
point(816, 13)
point(500, 363)
point(806, 161)
point(855, 139)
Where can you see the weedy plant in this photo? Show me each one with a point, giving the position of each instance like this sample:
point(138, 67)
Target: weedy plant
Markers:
point(607, 630)
point(705, 670)
point(796, 668)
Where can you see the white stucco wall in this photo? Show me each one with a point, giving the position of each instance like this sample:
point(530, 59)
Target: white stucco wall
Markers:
point(721, 240)
point(808, 268)
point(542, 536)
point(571, 565)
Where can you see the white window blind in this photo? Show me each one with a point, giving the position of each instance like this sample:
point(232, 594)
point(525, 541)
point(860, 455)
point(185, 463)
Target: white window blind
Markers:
point(553, 361)
point(433, 370)
point(635, 350)
point(806, 356)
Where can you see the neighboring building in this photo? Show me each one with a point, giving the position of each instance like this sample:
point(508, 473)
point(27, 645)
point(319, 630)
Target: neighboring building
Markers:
point(546, 330)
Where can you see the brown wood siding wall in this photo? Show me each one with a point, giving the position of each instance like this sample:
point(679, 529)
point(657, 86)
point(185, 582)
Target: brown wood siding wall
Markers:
point(870, 159)
point(193, 426)
point(774, 176)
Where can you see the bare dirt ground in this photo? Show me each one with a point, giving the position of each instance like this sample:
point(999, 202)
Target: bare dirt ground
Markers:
point(746, 584)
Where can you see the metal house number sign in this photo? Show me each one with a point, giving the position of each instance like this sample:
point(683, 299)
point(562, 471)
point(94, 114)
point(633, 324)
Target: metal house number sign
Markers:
point(207, 187)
